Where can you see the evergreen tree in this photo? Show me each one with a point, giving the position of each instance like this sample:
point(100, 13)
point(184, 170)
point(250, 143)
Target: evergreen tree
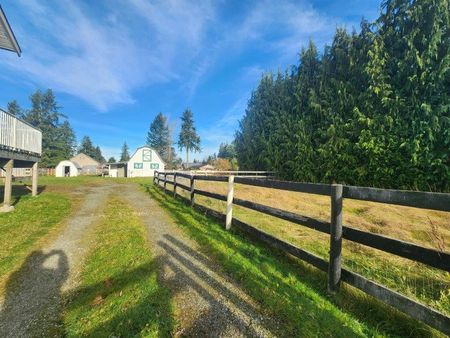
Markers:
point(226, 151)
point(188, 138)
point(86, 147)
point(15, 109)
point(372, 110)
point(158, 137)
point(112, 160)
point(98, 155)
point(67, 141)
point(125, 154)
point(44, 114)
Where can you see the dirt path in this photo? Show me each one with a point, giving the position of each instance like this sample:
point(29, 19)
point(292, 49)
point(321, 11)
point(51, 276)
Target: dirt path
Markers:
point(207, 302)
point(32, 304)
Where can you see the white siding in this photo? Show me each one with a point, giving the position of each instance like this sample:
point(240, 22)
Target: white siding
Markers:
point(18, 172)
point(141, 165)
point(60, 169)
point(112, 172)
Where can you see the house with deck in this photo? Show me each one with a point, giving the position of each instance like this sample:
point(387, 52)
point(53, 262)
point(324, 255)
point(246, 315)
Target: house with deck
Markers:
point(20, 147)
point(142, 163)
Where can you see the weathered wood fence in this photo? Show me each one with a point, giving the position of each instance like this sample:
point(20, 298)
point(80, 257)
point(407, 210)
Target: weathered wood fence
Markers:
point(336, 230)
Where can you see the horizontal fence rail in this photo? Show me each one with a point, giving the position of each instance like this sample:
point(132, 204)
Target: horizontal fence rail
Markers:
point(334, 228)
point(19, 136)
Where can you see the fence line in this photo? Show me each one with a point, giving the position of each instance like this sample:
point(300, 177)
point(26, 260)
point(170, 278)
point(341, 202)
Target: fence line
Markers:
point(336, 230)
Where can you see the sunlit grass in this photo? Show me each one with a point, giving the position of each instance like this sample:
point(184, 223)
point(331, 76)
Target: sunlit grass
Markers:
point(119, 294)
point(290, 289)
point(22, 229)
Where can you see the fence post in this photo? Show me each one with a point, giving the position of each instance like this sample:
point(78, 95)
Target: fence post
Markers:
point(175, 185)
point(334, 267)
point(192, 190)
point(155, 174)
point(34, 180)
point(230, 194)
point(165, 181)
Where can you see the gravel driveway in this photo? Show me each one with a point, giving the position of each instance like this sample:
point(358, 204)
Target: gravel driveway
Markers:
point(32, 304)
point(208, 303)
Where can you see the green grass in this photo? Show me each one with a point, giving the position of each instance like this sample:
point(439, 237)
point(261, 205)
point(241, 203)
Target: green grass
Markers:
point(119, 294)
point(21, 230)
point(291, 290)
point(87, 180)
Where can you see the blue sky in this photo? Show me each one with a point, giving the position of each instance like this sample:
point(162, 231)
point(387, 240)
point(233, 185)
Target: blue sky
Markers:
point(115, 64)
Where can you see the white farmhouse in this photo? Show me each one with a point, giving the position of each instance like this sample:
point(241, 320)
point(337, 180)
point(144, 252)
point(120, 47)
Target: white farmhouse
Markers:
point(143, 163)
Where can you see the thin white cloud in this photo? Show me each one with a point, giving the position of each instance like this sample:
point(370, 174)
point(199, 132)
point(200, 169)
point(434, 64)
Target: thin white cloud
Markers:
point(103, 58)
point(101, 62)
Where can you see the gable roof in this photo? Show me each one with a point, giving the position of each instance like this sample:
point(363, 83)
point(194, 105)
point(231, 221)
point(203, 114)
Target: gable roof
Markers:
point(88, 157)
point(74, 163)
point(148, 147)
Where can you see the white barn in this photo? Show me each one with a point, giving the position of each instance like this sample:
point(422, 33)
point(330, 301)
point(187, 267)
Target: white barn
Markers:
point(67, 169)
point(143, 163)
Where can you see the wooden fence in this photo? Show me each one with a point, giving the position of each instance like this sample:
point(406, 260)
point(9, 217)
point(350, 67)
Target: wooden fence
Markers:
point(336, 230)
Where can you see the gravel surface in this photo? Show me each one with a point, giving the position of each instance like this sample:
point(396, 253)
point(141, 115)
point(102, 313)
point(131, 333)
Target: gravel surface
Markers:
point(208, 303)
point(32, 304)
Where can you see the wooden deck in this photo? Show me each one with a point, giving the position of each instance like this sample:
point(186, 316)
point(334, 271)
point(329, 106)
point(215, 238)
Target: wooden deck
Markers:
point(19, 140)
point(20, 147)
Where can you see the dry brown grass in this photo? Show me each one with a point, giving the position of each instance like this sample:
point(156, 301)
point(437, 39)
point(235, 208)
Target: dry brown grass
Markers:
point(427, 228)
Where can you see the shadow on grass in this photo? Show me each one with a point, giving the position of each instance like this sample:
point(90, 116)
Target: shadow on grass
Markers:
point(215, 321)
point(290, 289)
point(19, 191)
point(33, 301)
point(152, 313)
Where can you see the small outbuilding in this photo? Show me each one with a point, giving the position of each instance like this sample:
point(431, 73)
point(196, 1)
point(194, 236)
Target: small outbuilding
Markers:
point(142, 163)
point(118, 169)
point(88, 165)
point(67, 169)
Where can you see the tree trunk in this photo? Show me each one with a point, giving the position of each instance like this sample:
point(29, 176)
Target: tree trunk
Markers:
point(187, 155)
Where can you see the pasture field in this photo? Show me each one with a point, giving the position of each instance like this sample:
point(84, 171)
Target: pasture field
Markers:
point(423, 227)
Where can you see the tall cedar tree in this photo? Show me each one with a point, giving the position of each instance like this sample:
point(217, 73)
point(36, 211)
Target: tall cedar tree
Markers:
point(125, 154)
point(188, 138)
point(372, 110)
point(158, 137)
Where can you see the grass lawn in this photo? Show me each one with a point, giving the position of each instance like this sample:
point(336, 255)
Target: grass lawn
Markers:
point(22, 229)
point(290, 289)
point(119, 294)
point(88, 180)
point(424, 227)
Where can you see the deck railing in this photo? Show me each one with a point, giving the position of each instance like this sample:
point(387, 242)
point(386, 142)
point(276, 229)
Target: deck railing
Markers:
point(19, 136)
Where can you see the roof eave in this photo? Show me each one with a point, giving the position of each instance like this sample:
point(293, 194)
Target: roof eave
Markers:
point(10, 33)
